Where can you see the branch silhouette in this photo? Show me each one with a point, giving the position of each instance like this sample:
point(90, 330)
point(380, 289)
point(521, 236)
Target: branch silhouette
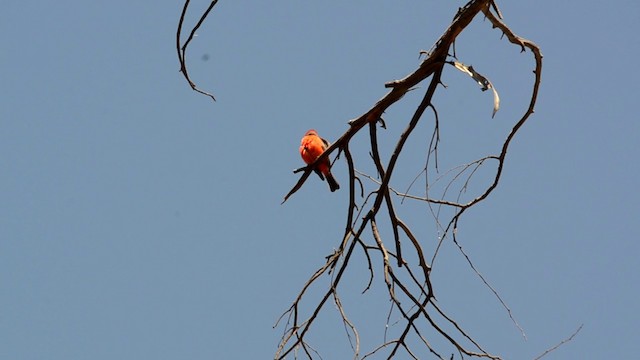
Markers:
point(410, 291)
point(404, 268)
point(181, 47)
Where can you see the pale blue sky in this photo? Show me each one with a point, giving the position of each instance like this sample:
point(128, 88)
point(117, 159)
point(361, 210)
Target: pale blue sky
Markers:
point(140, 220)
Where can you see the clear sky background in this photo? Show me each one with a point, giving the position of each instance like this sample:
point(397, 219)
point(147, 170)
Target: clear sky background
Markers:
point(141, 220)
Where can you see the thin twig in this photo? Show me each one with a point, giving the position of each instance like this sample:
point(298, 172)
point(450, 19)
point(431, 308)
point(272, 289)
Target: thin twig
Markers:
point(553, 348)
point(182, 49)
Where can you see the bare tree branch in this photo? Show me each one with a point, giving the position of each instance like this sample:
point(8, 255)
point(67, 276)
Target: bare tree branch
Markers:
point(415, 322)
point(398, 291)
point(182, 47)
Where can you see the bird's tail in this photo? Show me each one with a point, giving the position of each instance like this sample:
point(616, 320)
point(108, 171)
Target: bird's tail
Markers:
point(333, 184)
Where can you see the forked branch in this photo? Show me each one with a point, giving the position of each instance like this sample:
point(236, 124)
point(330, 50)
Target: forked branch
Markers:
point(404, 268)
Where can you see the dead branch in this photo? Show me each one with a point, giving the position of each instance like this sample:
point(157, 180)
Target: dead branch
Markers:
point(419, 300)
point(405, 268)
point(182, 47)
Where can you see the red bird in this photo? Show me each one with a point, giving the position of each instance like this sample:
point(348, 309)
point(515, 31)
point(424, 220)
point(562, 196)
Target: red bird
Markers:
point(313, 146)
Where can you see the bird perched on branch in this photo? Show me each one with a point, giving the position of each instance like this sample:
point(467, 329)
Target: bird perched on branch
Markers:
point(313, 146)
